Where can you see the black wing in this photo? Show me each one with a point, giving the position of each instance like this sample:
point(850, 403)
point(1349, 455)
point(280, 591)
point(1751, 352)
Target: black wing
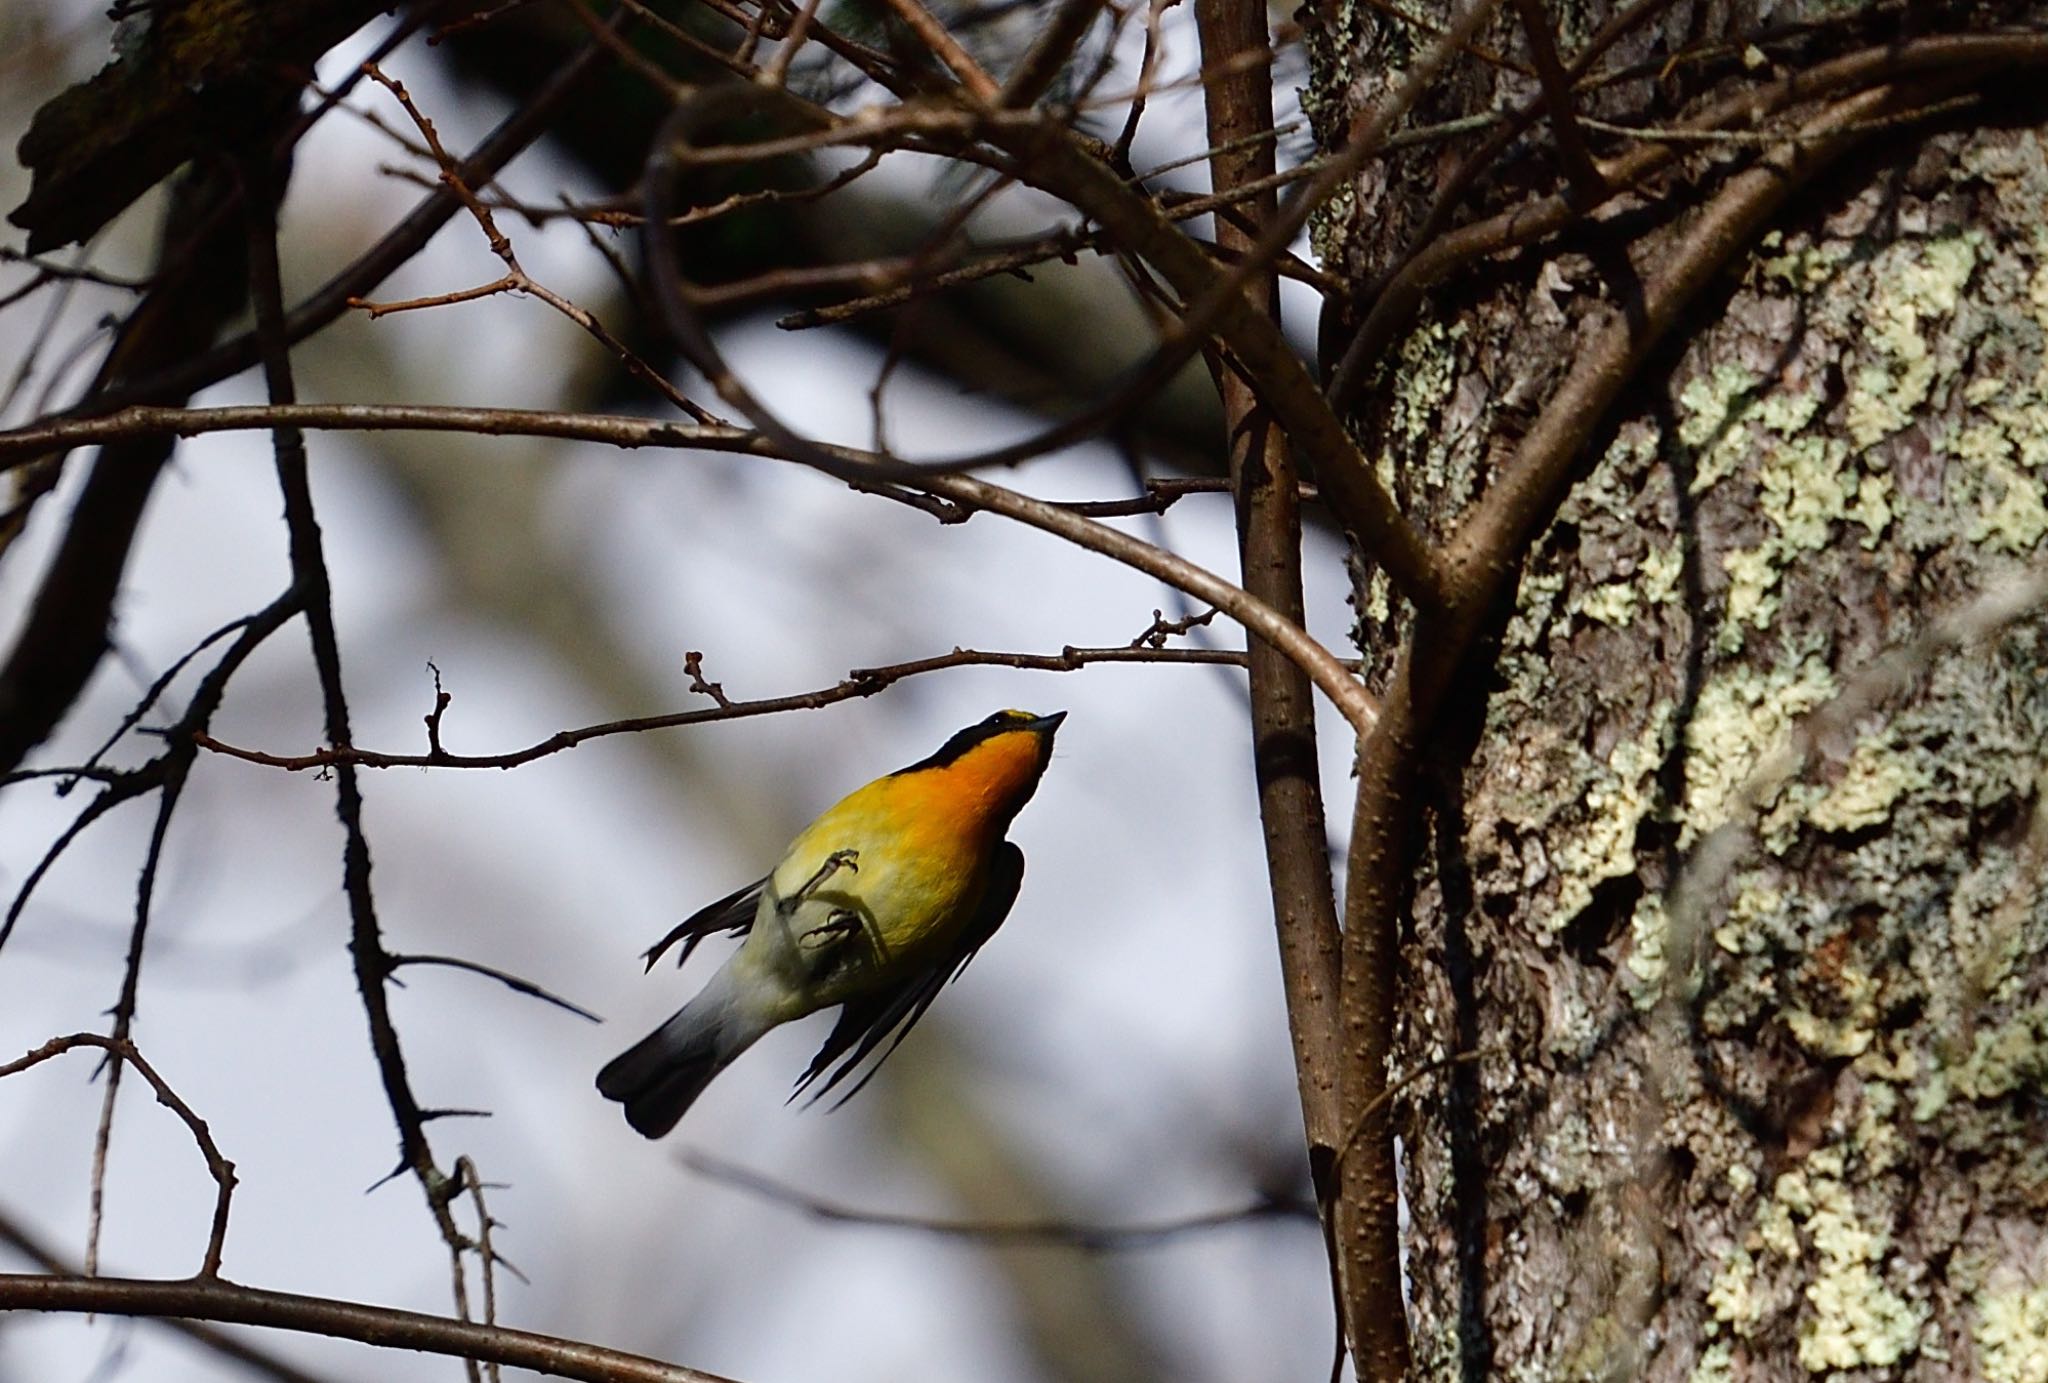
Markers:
point(864, 1024)
point(732, 914)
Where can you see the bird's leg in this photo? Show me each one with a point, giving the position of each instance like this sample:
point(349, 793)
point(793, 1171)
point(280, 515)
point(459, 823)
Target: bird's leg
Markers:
point(846, 922)
point(834, 862)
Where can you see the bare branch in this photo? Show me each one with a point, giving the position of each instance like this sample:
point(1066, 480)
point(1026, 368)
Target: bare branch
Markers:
point(1256, 616)
point(386, 1327)
point(1438, 255)
point(218, 1167)
point(1054, 1233)
point(1051, 51)
point(1587, 186)
point(1291, 814)
point(942, 45)
point(371, 963)
point(860, 682)
point(1516, 506)
point(505, 143)
point(516, 279)
point(258, 1361)
point(175, 761)
point(397, 962)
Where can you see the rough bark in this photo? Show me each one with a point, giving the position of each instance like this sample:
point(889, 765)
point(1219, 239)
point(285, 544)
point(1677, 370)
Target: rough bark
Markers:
point(1811, 1143)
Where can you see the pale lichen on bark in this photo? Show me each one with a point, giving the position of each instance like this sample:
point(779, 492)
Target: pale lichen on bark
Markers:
point(1831, 1162)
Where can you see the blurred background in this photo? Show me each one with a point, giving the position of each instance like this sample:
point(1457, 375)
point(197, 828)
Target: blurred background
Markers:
point(1117, 1056)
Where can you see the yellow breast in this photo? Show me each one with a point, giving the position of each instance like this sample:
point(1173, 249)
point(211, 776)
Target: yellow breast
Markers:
point(924, 838)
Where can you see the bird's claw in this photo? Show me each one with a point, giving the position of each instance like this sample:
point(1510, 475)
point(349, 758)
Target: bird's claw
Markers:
point(842, 922)
point(848, 860)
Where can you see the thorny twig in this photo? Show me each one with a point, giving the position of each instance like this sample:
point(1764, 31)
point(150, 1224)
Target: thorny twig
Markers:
point(371, 962)
point(120, 1049)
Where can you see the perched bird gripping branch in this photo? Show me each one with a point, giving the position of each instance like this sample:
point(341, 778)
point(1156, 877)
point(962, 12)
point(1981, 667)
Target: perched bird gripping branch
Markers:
point(877, 904)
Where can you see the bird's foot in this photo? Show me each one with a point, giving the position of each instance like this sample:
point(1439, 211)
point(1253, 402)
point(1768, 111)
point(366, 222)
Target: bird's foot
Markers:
point(832, 943)
point(848, 860)
point(843, 922)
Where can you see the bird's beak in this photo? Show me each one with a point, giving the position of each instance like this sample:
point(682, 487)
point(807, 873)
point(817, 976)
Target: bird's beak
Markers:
point(1045, 725)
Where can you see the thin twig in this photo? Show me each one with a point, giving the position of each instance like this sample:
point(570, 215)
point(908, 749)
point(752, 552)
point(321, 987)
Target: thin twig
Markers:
point(516, 279)
point(398, 961)
point(1328, 673)
point(178, 761)
point(1293, 822)
point(776, 73)
point(1052, 1233)
point(231, 1304)
point(1586, 182)
point(218, 1167)
point(1438, 254)
point(466, 1175)
point(942, 45)
point(397, 248)
point(861, 682)
point(1050, 52)
point(179, 739)
point(370, 961)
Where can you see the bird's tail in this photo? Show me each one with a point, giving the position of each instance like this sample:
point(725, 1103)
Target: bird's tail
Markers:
point(661, 1076)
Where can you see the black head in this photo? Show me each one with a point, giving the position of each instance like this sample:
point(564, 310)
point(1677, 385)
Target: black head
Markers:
point(1001, 723)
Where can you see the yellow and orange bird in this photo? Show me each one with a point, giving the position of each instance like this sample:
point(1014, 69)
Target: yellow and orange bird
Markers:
point(877, 904)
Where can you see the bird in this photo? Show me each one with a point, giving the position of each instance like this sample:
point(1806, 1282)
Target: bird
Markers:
point(875, 907)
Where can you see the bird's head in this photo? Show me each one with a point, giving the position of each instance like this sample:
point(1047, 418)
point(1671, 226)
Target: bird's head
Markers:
point(999, 758)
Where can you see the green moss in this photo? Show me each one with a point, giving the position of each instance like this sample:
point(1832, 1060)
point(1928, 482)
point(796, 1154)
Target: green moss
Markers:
point(1805, 491)
point(1776, 1228)
point(1611, 604)
point(1787, 412)
point(1751, 917)
point(2016, 520)
point(1808, 484)
point(2006, 1057)
point(1930, 1097)
point(1423, 378)
point(1986, 919)
point(1752, 594)
point(1378, 605)
point(1329, 229)
point(1875, 1134)
point(1803, 269)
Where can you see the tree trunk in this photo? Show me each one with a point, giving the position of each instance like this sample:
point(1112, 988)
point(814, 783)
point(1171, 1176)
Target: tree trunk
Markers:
point(1726, 966)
